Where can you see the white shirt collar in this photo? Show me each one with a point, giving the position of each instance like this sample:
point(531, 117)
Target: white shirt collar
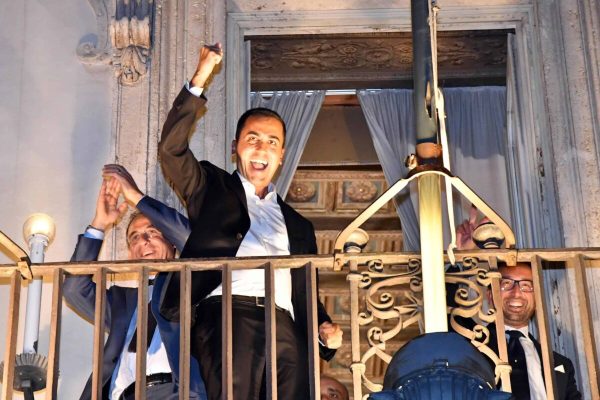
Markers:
point(524, 330)
point(250, 189)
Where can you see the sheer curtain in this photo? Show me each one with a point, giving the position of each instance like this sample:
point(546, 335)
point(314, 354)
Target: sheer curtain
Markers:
point(299, 109)
point(389, 115)
point(476, 131)
point(476, 126)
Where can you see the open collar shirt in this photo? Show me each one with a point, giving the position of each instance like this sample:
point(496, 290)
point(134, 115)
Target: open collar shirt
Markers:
point(267, 236)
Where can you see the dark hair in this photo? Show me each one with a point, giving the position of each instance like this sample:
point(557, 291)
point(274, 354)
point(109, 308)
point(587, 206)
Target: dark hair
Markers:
point(134, 215)
point(258, 112)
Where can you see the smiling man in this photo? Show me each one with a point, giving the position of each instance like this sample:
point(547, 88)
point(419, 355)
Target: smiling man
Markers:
point(144, 241)
point(235, 215)
point(524, 351)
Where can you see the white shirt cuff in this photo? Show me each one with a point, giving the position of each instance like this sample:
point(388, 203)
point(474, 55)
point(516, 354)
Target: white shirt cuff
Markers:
point(196, 91)
point(92, 233)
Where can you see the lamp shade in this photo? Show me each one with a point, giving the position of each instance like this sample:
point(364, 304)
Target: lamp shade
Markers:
point(39, 224)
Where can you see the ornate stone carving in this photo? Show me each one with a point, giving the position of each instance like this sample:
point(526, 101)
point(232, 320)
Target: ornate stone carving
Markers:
point(129, 31)
point(361, 191)
point(388, 57)
point(301, 191)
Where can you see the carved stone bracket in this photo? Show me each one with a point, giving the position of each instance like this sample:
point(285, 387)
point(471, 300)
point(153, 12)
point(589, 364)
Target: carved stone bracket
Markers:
point(129, 30)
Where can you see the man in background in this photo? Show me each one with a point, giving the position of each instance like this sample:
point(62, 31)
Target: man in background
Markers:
point(332, 389)
point(145, 240)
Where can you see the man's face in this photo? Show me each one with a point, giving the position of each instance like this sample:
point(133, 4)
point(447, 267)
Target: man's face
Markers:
point(147, 242)
point(518, 306)
point(331, 389)
point(259, 151)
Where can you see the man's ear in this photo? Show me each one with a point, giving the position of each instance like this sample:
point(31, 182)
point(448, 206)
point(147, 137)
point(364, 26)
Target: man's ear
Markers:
point(282, 154)
point(234, 151)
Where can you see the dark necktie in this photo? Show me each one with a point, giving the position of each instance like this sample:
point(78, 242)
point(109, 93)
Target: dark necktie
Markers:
point(150, 332)
point(519, 381)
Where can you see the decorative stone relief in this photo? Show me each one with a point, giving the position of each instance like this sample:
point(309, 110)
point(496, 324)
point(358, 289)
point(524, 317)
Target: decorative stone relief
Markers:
point(318, 59)
point(129, 31)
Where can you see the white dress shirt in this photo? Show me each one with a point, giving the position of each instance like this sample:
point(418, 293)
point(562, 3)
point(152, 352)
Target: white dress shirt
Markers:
point(267, 236)
point(156, 358)
point(537, 389)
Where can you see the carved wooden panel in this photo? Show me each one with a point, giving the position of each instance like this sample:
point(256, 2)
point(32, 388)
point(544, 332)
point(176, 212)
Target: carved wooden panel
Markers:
point(337, 193)
point(371, 60)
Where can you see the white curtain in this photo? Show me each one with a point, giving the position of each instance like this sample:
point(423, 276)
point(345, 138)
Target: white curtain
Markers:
point(299, 109)
point(389, 115)
point(476, 131)
point(476, 126)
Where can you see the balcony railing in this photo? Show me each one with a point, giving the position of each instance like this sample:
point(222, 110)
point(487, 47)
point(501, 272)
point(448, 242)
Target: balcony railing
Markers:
point(377, 313)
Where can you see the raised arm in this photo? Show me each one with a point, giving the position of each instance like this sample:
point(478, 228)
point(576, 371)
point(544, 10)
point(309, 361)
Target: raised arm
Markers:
point(174, 226)
point(79, 290)
point(179, 164)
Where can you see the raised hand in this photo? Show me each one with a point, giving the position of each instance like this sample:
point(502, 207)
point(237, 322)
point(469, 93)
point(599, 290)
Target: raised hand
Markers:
point(125, 182)
point(331, 335)
point(107, 210)
point(464, 232)
point(210, 56)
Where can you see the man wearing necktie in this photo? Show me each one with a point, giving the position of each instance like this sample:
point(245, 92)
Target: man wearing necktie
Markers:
point(524, 351)
point(155, 232)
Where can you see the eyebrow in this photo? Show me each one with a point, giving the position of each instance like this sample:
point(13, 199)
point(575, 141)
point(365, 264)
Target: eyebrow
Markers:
point(149, 226)
point(260, 133)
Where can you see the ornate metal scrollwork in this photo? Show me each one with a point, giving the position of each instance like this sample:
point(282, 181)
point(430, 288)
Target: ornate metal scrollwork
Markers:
point(393, 302)
point(474, 281)
point(129, 32)
point(382, 306)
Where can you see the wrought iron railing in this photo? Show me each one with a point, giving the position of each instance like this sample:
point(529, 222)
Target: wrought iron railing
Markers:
point(371, 277)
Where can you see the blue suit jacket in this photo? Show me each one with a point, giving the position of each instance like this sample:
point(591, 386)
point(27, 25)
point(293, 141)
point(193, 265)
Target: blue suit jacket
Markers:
point(121, 302)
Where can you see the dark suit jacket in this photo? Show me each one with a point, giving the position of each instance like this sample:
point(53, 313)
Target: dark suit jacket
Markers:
point(565, 381)
point(80, 293)
point(218, 213)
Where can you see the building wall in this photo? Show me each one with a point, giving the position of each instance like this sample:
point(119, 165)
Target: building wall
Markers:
point(61, 120)
point(55, 130)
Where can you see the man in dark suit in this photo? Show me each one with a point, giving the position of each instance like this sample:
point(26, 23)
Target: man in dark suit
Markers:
point(518, 306)
point(240, 214)
point(524, 351)
point(145, 241)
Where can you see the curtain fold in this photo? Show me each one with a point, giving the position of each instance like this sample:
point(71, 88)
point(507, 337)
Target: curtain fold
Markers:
point(476, 135)
point(389, 115)
point(299, 110)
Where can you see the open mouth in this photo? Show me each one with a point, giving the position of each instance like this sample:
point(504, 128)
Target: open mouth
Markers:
point(515, 305)
point(259, 164)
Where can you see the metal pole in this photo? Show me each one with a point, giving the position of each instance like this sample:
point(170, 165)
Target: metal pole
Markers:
point(428, 152)
point(37, 245)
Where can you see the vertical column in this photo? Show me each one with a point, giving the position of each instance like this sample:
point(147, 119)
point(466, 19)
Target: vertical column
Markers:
point(270, 332)
point(11, 335)
point(185, 318)
point(543, 328)
point(55, 327)
point(226, 331)
point(99, 329)
point(313, 326)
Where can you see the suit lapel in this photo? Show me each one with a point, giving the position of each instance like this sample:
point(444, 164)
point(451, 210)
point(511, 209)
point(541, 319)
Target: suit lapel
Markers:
point(235, 184)
point(296, 239)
